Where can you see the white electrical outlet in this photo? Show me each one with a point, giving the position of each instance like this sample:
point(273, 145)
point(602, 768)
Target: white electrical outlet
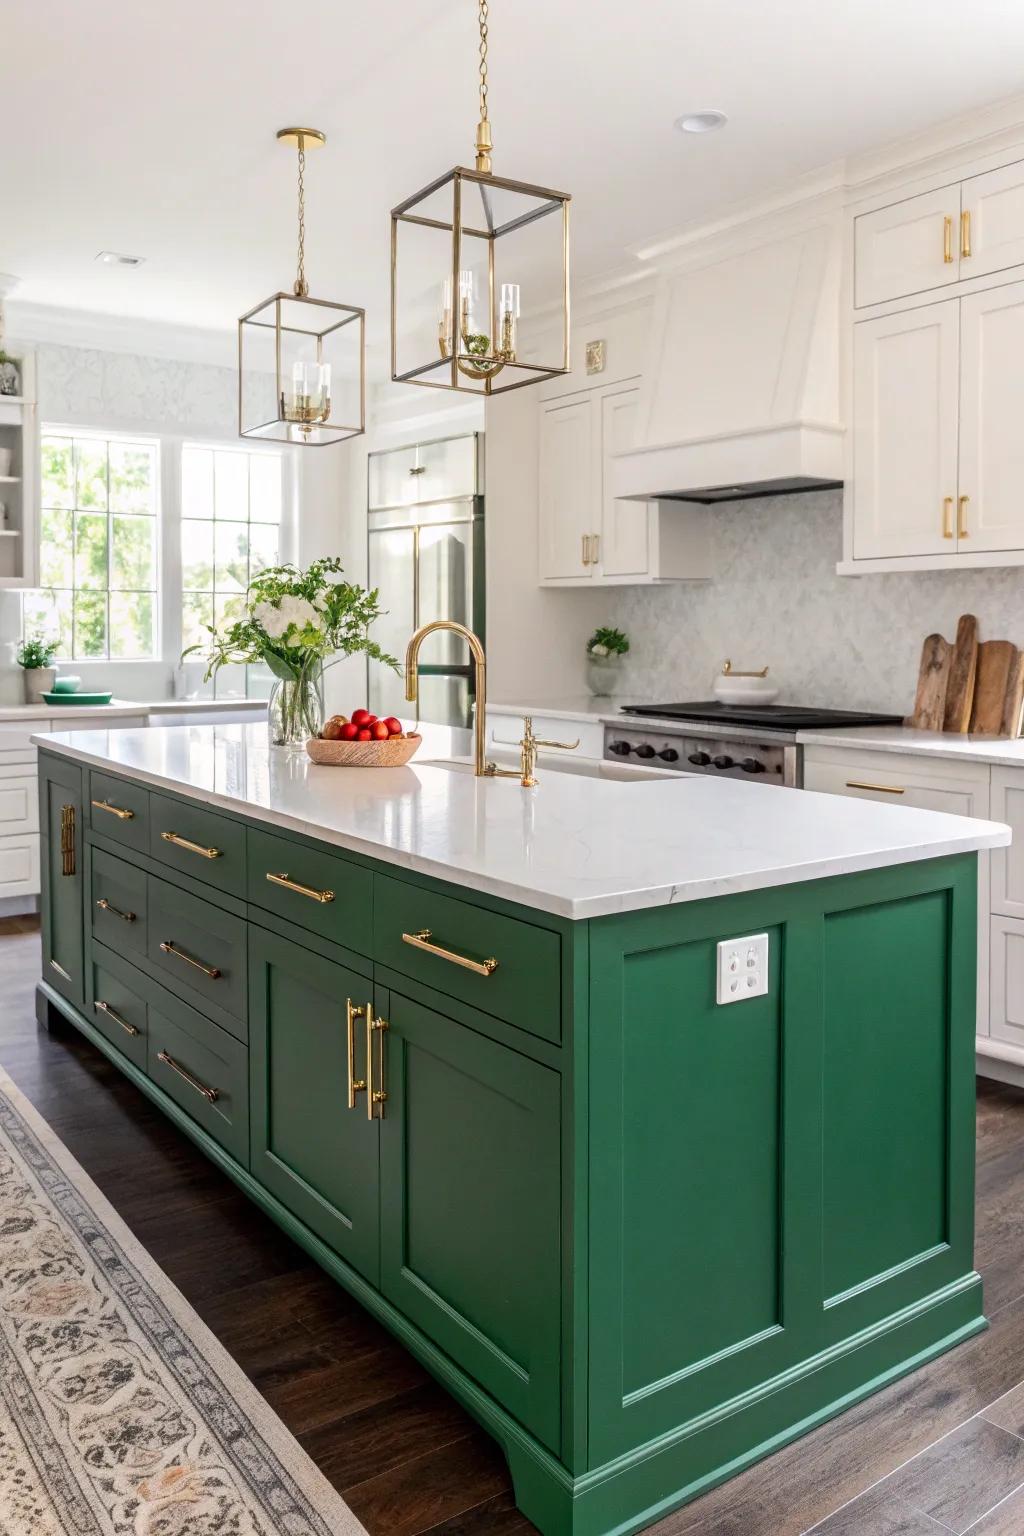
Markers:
point(742, 968)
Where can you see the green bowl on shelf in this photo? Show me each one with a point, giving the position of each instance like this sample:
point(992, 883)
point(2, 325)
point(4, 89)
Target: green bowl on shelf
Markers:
point(84, 699)
point(66, 683)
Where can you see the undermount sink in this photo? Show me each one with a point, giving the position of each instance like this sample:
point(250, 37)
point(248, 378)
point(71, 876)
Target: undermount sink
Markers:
point(583, 767)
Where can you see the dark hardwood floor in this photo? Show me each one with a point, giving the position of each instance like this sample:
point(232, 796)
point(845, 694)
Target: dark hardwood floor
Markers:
point(404, 1456)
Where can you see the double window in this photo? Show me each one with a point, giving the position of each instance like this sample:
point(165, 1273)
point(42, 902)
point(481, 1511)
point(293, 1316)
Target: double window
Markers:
point(146, 541)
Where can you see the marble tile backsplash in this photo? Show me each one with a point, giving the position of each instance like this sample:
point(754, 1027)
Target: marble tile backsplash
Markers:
point(838, 641)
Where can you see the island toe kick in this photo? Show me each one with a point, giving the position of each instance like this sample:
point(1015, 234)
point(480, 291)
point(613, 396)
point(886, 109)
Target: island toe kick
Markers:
point(645, 1224)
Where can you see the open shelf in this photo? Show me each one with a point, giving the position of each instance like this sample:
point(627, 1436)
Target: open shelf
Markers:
point(10, 479)
point(10, 533)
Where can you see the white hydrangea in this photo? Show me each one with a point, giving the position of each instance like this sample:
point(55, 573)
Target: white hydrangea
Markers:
point(278, 619)
point(270, 619)
point(599, 650)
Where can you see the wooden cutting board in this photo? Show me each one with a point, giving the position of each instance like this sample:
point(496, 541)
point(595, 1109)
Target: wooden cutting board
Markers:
point(963, 667)
point(996, 660)
point(932, 682)
point(1014, 701)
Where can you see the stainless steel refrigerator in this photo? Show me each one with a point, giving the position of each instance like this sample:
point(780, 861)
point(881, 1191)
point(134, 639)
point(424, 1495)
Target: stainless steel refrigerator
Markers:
point(426, 555)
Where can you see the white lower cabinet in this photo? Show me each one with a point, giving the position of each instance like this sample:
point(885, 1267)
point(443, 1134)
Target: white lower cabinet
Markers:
point(1006, 1025)
point(506, 731)
point(932, 784)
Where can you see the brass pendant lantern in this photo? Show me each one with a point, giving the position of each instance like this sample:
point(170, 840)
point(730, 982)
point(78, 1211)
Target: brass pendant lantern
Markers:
point(486, 239)
point(302, 361)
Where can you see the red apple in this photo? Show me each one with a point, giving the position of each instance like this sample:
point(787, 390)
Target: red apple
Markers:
point(361, 717)
point(379, 730)
point(349, 732)
point(394, 726)
point(364, 734)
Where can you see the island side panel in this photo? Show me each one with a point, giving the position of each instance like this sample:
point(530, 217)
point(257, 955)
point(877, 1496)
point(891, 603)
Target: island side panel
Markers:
point(781, 1188)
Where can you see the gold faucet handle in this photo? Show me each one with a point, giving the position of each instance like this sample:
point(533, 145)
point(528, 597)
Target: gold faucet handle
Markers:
point(530, 740)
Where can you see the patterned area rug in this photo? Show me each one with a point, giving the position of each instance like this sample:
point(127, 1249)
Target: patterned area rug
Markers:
point(120, 1413)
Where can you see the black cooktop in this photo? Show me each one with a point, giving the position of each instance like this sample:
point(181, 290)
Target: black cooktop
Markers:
point(779, 717)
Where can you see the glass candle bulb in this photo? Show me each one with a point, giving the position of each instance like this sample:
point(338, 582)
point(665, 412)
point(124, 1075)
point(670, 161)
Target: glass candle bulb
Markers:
point(310, 393)
point(445, 330)
point(508, 315)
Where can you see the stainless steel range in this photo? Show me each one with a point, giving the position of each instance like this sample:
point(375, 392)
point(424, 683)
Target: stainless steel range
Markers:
point(739, 741)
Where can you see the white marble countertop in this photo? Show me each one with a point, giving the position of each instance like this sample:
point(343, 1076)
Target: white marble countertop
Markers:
point(577, 847)
point(1001, 750)
point(120, 708)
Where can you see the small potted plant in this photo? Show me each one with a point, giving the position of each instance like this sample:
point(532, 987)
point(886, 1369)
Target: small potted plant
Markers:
point(35, 654)
point(606, 650)
point(293, 621)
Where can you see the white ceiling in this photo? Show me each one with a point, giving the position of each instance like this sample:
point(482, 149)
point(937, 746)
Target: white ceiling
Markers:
point(149, 129)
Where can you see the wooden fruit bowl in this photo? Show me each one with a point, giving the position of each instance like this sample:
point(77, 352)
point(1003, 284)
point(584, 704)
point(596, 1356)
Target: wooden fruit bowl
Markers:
point(393, 753)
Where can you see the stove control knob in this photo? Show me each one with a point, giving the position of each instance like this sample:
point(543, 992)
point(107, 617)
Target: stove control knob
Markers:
point(644, 749)
point(620, 748)
point(724, 762)
point(669, 755)
point(752, 765)
point(699, 759)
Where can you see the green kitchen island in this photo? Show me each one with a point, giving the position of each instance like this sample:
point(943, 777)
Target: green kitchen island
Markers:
point(464, 1043)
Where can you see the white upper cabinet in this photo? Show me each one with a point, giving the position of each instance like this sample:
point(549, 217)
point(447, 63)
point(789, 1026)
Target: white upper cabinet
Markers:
point(992, 236)
point(588, 536)
point(905, 411)
point(624, 546)
point(991, 507)
point(909, 247)
point(568, 489)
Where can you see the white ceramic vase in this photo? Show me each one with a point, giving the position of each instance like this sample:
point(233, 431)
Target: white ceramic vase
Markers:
point(38, 680)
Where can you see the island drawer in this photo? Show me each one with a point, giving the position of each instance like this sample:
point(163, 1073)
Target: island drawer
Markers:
point(499, 964)
point(119, 1013)
point(201, 950)
point(197, 842)
point(119, 809)
point(309, 886)
point(204, 1070)
point(118, 903)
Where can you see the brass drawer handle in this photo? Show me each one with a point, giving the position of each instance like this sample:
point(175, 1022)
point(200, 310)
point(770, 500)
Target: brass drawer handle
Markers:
point(947, 517)
point(883, 789)
point(289, 884)
point(965, 232)
point(115, 810)
point(67, 845)
point(422, 940)
point(112, 1013)
point(170, 948)
point(106, 906)
point(947, 239)
point(183, 842)
point(961, 517)
point(376, 1098)
point(211, 1095)
point(355, 1084)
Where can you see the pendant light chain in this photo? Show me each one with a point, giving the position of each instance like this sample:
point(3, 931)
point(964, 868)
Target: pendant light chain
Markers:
point(483, 129)
point(301, 286)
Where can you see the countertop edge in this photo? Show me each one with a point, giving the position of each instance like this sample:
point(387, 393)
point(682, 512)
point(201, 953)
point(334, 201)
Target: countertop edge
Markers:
point(612, 904)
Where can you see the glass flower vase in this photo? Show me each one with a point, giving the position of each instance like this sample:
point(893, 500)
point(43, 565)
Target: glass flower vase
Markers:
point(296, 709)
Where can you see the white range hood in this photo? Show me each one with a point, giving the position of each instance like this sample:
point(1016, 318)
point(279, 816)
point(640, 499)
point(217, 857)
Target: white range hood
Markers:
point(740, 396)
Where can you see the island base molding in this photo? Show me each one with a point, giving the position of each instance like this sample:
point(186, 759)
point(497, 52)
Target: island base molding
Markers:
point(668, 1472)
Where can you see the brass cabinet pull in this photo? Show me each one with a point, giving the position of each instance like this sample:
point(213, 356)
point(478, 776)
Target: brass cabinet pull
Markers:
point(947, 517)
point(170, 948)
point(112, 1013)
point(584, 543)
point(183, 842)
point(376, 1098)
point(422, 940)
point(947, 239)
point(355, 1084)
point(961, 517)
point(965, 233)
point(300, 890)
point(67, 840)
point(211, 1095)
point(595, 548)
point(115, 810)
point(883, 789)
point(106, 906)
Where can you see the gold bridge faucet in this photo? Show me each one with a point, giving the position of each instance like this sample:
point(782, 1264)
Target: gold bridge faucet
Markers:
point(481, 767)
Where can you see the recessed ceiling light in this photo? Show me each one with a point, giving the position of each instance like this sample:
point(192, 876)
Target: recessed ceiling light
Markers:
point(117, 259)
point(701, 122)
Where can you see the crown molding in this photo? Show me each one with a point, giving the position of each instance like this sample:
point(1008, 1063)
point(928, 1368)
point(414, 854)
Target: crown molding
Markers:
point(50, 324)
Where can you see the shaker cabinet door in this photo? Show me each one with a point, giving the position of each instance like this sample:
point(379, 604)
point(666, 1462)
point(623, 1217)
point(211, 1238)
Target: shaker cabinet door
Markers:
point(625, 547)
point(471, 1203)
point(994, 208)
point(905, 406)
point(567, 491)
point(908, 247)
point(318, 1156)
point(991, 442)
point(62, 848)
